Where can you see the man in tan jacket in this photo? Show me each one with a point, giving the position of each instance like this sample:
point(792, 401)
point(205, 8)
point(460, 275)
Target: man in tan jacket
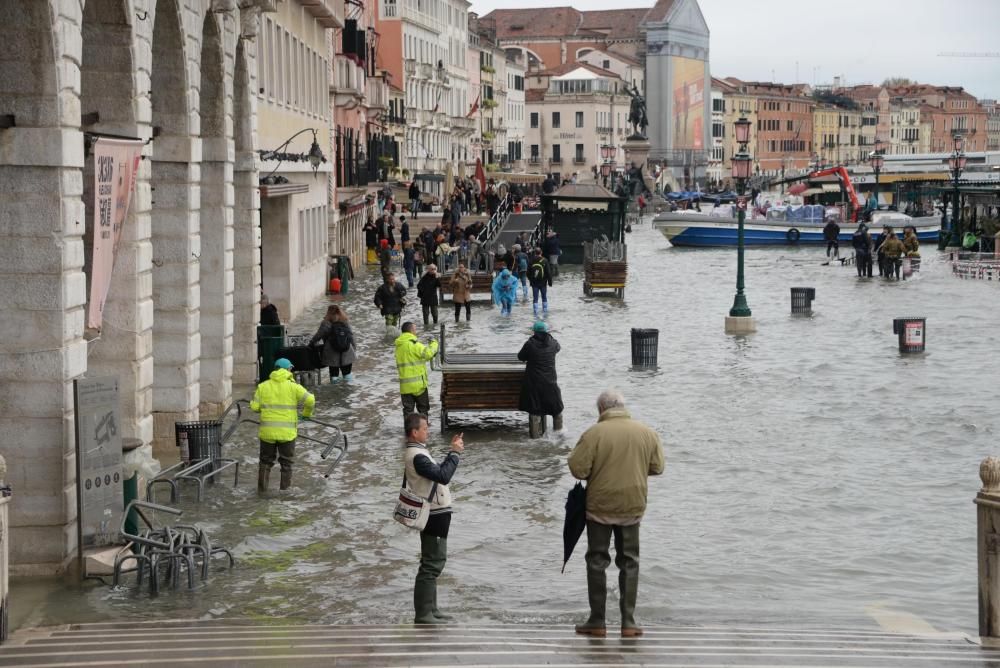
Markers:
point(615, 457)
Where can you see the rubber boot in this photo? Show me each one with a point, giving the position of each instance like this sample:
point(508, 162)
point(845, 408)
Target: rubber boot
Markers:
point(263, 478)
point(349, 378)
point(627, 560)
point(286, 479)
point(424, 593)
point(545, 308)
point(597, 592)
point(441, 553)
point(557, 422)
point(534, 307)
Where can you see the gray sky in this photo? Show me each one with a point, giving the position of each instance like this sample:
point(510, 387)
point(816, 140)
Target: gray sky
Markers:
point(865, 41)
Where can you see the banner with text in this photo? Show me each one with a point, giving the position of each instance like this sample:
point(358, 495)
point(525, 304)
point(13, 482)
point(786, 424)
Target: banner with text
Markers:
point(116, 162)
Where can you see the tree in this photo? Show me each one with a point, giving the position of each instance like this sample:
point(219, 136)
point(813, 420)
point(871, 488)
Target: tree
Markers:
point(898, 81)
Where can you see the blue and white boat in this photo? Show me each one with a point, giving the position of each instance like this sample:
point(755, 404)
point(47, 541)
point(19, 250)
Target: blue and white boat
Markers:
point(703, 229)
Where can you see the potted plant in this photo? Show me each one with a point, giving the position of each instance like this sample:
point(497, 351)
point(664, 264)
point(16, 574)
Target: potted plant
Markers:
point(489, 103)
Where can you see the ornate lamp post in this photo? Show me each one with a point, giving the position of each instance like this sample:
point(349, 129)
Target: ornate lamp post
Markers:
point(877, 163)
point(606, 152)
point(956, 164)
point(740, 320)
point(606, 172)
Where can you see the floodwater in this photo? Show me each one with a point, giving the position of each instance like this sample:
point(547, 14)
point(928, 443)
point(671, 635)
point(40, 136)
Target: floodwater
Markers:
point(814, 475)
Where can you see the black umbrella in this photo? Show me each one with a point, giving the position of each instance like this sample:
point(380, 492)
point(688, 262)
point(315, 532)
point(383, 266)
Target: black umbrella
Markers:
point(576, 520)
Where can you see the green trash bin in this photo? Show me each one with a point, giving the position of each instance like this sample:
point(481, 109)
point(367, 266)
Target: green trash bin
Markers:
point(130, 487)
point(270, 339)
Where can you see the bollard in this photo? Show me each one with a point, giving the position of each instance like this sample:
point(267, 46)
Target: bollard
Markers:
point(988, 550)
point(4, 542)
point(644, 343)
point(802, 300)
point(912, 333)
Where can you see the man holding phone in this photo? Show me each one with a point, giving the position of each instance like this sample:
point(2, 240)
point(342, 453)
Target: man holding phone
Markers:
point(430, 479)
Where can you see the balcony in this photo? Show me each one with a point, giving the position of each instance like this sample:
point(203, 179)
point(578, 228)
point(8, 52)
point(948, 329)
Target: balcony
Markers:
point(555, 161)
point(441, 76)
point(534, 160)
point(425, 118)
point(462, 125)
point(601, 130)
point(425, 71)
point(441, 120)
point(579, 160)
point(389, 10)
point(348, 85)
point(412, 117)
point(376, 94)
point(328, 13)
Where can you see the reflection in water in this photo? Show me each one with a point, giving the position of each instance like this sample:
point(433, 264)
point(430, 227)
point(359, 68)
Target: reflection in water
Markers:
point(811, 470)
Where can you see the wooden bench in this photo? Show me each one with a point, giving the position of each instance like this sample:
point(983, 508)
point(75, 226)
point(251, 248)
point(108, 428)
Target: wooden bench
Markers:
point(603, 273)
point(483, 382)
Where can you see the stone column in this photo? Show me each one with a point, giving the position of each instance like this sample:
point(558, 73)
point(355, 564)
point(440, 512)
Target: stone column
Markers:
point(176, 252)
point(988, 541)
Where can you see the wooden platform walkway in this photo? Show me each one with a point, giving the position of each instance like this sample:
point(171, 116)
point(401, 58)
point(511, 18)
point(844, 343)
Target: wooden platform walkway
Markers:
point(237, 643)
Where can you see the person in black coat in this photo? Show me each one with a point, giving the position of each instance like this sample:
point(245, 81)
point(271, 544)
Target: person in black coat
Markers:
point(427, 290)
point(540, 393)
point(390, 300)
point(268, 312)
point(371, 240)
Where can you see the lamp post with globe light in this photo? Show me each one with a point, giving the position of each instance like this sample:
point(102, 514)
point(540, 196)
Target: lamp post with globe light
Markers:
point(877, 162)
point(956, 165)
point(740, 320)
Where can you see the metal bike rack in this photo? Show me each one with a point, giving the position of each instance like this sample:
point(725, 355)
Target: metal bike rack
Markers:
point(202, 470)
point(179, 547)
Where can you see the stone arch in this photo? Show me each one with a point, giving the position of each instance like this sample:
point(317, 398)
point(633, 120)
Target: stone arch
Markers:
point(174, 228)
point(107, 105)
point(216, 225)
point(246, 225)
point(41, 225)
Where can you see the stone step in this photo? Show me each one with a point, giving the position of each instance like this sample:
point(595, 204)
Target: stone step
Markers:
point(245, 642)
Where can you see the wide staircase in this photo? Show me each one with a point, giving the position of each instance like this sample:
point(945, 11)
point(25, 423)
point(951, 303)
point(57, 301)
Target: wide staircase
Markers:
point(250, 643)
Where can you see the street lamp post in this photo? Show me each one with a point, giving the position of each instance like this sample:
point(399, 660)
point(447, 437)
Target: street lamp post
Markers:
point(740, 320)
point(606, 152)
point(877, 162)
point(956, 164)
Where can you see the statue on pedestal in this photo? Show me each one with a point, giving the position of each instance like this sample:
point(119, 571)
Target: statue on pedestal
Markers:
point(637, 113)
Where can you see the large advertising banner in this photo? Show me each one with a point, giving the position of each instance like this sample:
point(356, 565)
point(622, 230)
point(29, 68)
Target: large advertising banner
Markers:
point(116, 162)
point(689, 103)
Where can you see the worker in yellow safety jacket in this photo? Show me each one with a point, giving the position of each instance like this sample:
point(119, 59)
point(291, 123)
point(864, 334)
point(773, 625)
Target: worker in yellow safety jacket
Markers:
point(277, 400)
point(411, 363)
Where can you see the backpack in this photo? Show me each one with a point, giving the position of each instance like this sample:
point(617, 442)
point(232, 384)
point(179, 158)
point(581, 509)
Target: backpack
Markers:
point(522, 262)
point(340, 337)
point(538, 272)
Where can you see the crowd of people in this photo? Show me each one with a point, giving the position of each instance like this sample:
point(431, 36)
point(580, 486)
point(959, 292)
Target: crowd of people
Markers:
point(886, 248)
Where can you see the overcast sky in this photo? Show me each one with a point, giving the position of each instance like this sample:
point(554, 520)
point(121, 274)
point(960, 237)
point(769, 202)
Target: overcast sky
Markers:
point(865, 41)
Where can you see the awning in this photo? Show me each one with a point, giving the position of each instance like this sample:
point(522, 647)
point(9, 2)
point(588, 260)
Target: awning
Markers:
point(831, 187)
point(811, 191)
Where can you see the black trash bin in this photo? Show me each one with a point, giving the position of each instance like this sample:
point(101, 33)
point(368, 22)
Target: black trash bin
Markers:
point(199, 439)
point(912, 333)
point(802, 299)
point(644, 343)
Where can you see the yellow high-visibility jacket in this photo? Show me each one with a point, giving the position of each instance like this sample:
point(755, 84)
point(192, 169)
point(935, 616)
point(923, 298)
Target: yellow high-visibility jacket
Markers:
point(411, 362)
point(277, 400)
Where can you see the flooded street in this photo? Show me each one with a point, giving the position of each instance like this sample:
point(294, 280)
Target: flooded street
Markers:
point(814, 475)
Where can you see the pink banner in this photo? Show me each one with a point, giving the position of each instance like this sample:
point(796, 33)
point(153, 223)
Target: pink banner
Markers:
point(116, 162)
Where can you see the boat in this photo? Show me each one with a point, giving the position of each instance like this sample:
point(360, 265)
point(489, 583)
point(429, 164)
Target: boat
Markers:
point(691, 228)
point(784, 224)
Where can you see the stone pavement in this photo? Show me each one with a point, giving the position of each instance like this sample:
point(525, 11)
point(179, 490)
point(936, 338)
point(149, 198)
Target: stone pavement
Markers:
point(238, 643)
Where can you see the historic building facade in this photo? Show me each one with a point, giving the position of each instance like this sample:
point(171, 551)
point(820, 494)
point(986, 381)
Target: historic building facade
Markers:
point(180, 316)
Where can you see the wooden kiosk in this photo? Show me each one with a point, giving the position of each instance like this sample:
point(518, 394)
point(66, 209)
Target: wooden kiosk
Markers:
point(482, 382)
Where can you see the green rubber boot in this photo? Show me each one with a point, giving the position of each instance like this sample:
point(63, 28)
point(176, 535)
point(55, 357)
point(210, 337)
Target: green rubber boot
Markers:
point(440, 553)
point(424, 593)
point(597, 592)
point(627, 560)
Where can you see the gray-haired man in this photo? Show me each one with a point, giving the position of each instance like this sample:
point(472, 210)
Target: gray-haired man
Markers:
point(615, 457)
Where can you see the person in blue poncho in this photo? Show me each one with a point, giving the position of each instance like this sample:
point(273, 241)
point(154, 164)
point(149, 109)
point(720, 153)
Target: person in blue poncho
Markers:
point(505, 291)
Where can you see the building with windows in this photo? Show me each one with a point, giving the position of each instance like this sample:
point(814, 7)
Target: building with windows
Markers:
point(717, 150)
point(784, 125)
point(736, 105)
point(992, 110)
point(294, 109)
point(514, 116)
point(573, 110)
point(423, 45)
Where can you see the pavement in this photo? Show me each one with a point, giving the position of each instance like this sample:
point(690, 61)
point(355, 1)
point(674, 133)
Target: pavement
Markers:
point(249, 643)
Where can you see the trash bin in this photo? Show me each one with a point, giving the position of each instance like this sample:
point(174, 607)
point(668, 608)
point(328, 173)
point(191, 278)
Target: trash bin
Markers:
point(802, 300)
point(644, 343)
point(199, 440)
point(4, 542)
point(912, 333)
point(130, 487)
point(270, 339)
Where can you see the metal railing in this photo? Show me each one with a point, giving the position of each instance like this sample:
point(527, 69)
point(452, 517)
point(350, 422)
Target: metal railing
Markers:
point(496, 223)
